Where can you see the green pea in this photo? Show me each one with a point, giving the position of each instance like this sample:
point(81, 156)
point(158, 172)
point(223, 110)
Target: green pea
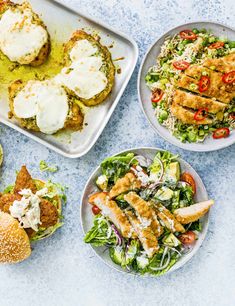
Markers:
point(195, 31)
point(163, 115)
point(211, 39)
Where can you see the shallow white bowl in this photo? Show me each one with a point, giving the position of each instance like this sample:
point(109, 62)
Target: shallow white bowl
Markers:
point(87, 216)
point(144, 93)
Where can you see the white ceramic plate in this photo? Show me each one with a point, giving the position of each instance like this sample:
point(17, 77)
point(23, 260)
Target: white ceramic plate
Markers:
point(87, 216)
point(62, 21)
point(149, 60)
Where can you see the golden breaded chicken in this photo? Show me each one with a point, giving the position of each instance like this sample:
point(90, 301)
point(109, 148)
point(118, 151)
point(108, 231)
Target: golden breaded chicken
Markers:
point(216, 82)
point(191, 84)
point(223, 64)
point(127, 183)
point(145, 235)
point(167, 218)
point(24, 181)
point(193, 212)
point(196, 102)
point(145, 213)
point(111, 210)
point(187, 116)
point(6, 200)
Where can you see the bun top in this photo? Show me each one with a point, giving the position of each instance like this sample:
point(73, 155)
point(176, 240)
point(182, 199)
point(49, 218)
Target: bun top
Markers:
point(14, 242)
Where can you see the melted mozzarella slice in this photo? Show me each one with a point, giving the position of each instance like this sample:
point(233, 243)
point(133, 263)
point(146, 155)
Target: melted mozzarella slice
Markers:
point(48, 102)
point(20, 39)
point(84, 77)
point(26, 102)
point(82, 48)
point(53, 110)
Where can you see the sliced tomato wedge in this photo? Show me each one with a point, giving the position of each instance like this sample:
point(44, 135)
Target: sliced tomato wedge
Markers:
point(217, 45)
point(201, 114)
point(204, 83)
point(188, 34)
point(187, 238)
point(95, 210)
point(229, 78)
point(157, 95)
point(221, 133)
point(187, 177)
point(181, 65)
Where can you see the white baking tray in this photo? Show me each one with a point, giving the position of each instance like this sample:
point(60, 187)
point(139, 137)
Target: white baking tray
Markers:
point(62, 21)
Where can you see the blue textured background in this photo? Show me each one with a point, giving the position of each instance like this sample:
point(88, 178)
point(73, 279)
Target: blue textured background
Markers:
point(62, 270)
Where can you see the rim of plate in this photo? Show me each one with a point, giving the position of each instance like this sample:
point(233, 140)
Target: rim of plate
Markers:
point(186, 257)
point(170, 138)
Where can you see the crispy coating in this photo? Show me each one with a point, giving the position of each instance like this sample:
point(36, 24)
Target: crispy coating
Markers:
point(212, 92)
point(145, 235)
point(127, 183)
point(6, 200)
point(216, 82)
point(74, 120)
point(168, 218)
point(48, 214)
point(193, 212)
point(187, 116)
point(109, 67)
point(146, 214)
point(195, 102)
point(223, 64)
point(24, 181)
point(111, 210)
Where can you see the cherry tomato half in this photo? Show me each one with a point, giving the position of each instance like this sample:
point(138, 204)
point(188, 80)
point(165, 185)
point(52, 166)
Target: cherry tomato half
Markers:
point(204, 83)
point(187, 238)
point(229, 78)
point(221, 133)
point(188, 34)
point(201, 114)
point(157, 95)
point(187, 177)
point(95, 210)
point(181, 65)
point(216, 45)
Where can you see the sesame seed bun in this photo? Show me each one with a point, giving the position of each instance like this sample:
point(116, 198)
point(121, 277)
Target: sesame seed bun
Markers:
point(14, 242)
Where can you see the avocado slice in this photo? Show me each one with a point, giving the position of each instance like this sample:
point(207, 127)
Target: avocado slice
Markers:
point(117, 255)
point(171, 240)
point(164, 194)
point(173, 172)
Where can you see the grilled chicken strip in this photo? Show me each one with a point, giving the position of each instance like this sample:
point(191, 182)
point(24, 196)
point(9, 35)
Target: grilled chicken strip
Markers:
point(223, 64)
point(111, 210)
point(191, 84)
point(168, 218)
point(127, 183)
point(145, 213)
point(193, 212)
point(187, 116)
point(196, 102)
point(145, 235)
point(216, 82)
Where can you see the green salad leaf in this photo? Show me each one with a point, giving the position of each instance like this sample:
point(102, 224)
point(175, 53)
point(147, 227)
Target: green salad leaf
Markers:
point(116, 166)
point(101, 233)
point(45, 167)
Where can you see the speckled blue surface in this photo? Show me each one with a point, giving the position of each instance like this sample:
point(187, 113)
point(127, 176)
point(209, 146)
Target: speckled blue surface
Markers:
point(62, 271)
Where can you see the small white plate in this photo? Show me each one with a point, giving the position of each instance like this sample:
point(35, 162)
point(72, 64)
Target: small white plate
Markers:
point(61, 22)
point(86, 215)
point(149, 60)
